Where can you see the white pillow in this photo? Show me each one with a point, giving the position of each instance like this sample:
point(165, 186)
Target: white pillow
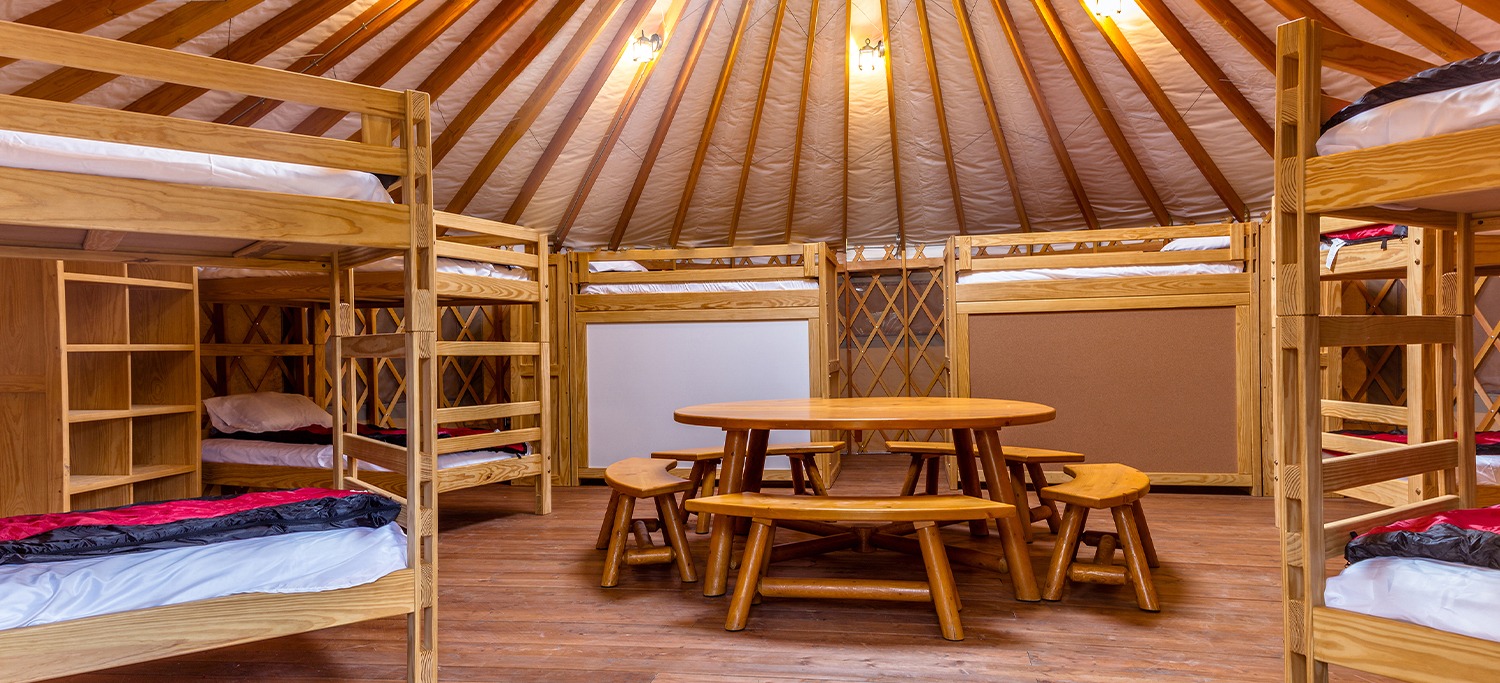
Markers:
point(264, 412)
point(1197, 244)
point(616, 267)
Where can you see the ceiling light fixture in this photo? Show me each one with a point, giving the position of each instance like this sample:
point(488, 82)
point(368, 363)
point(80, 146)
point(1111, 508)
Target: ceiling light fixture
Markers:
point(1107, 8)
point(645, 48)
point(870, 55)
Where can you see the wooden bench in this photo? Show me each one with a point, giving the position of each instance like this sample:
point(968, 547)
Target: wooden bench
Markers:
point(1118, 488)
point(629, 480)
point(1022, 461)
point(704, 475)
point(923, 513)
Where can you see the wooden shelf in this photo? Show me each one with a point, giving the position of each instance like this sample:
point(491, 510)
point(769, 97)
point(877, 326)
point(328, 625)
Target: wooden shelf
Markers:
point(116, 348)
point(132, 411)
point(125, 280)
point(83, 483)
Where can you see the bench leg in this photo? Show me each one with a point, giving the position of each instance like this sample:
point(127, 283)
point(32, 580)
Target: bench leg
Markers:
point(815, 475)
point(1023, 504)
point(968, 472)
point(1140, 525)
point(609, 520)
point(754, 561)
point(616, 555)
point(710, 485)
point(913, 473)
point(940, 581)
point(1135, 560)
point(695, 481)
point(672, 528)
point(798, 488)
point(1039, 482)
point(932, 474)
point(1062, 554)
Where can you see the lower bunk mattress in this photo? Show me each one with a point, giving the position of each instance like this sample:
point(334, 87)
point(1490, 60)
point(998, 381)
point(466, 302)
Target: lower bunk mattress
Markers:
point(319, 456)
point(1035, 274)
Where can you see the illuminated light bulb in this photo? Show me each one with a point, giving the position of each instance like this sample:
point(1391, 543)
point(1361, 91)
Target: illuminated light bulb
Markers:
point(870, 55)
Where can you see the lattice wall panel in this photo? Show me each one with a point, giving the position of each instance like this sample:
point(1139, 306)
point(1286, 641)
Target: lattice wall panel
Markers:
point(255, 325)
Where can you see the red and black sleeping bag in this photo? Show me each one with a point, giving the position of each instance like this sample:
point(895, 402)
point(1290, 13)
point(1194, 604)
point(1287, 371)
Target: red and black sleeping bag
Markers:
point(188, 522)
point(1382, 233)
point(1469, 537)
point(1485, 443)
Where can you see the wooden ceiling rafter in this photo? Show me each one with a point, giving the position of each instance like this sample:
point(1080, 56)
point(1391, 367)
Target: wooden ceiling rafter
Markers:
point(1169, 115)
point(325, 56)
point(556, 18)
point(1044, 111)
point(664, 123)
point(77, 16)
point(925, 29)
point(1242, 29)
point(489, 31)
point(602, 151)
point(760, 107)
point(797, 137)
point(991, 111)
point(725, 72)
point(1488, 8)
point(1297, 9)
point(389, 63)
point(1423, 28)
point(551, 82)
point(253, 46)
point(169, 30)
point(848, 36)
point(1207, 69)
point(1101, 109)
point(890, 108)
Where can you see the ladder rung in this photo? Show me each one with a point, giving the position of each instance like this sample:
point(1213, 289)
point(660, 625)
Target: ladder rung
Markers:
point(374, 345)
point(1349, 471)
point(1385, 330)
point(488, 412)
point(479, 442)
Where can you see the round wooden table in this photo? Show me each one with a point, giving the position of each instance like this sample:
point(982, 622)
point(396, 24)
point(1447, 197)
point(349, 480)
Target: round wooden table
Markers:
point(975, 422)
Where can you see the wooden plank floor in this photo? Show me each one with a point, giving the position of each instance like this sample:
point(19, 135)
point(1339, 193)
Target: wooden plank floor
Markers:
point(520, 601)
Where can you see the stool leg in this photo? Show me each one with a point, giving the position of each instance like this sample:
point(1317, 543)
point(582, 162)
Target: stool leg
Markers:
point(913, 473)
point(695, 481)
point(1135, 560)
point(1039, 482)
point(750, 568)
point(1140, 525)
point(940, 580)
point(798, 488)
point(765, 566)
point(1023, 504)
point(1062, 553)
point(932, 474)
point(616, 555)
point(815, 475)
point(609, 520)
point(666, 508)
point(710, 485)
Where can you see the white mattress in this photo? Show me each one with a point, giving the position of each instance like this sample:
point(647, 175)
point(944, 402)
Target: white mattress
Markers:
point(393, 264)
point(1102, 272)
point(1436, 113)
point(683, 287)
point(249, 452)
point(118, 160)
point(1443, 595)
point(305, 562)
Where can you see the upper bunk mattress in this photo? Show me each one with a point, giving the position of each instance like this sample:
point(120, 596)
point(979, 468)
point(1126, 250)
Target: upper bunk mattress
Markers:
point(1447, 596)
point(393, 264)
point(1102, 272)
point(94, 157)
point(701, 287)
point(304, 562)
point(318, 456)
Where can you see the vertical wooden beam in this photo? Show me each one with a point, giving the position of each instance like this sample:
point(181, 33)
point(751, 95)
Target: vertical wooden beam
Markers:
point(982, 81)
point(1044, 111)
point(1100, 108)
point(942, 116)
point(848, 38)
point(77, 16)
point(760, 106)
point(807, 61)
point(890, 108)
point(736, 38)
point(664, 124)
point(1423, 28)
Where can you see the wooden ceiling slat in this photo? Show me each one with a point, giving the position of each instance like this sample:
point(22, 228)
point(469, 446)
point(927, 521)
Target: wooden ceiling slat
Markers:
point(1209, 71)
point(1297, 9)
point(556, 18)
point(760, 107)
point(1489, 8)
point(664, 123)
point(167, 31)
point(392, 60)
point(1101, 109)
point(78, 15)
point(1170, 116)
point(942, 116)
point(1423, 28)
point(807, 62)
point(342, 43)
point(1243, 30)
point(890, 108)
point(1044, 111)
point(848, 37)
point(602, 151)
point(249, 48)
point(479, 41)
point(992, 113)
point(725, 72)
point(553, 80)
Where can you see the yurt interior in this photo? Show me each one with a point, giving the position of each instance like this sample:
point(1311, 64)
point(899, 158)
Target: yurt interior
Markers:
point(749, 341)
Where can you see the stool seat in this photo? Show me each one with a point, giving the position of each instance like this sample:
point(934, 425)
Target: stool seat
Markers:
point(1040, 456)
point(949, 508)
point(808, 447)
point(691, 454)
point(1100, 486)
point(921, 447)
point(643, 478)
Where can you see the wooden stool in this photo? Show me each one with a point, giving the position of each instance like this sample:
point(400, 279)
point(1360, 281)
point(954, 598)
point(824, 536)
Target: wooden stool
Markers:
point(924, 455)
point(1096, 487)
point(803, 459)
point(628, 480)
point(1024, 462)
point(924, 512)
point(702, 480)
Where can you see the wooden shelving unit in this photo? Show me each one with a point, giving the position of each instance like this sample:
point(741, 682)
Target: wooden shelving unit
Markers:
point(110, 385)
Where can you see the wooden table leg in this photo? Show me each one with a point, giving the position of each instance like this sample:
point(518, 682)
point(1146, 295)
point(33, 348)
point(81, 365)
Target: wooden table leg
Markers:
point(721, 541)
point(963, 448)
point(997, 480)
point(752, 473)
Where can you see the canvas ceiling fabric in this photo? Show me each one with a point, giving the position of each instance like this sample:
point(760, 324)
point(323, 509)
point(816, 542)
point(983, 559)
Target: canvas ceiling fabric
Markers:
point(584, 193)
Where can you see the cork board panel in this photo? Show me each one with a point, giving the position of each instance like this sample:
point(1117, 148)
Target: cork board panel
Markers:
point(1154, 389)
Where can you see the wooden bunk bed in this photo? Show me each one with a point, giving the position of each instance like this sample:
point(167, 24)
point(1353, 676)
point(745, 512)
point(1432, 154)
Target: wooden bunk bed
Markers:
point(143, 219)
point(1450, 181)
point(1080, 319)
point(729, 323)
point(481, 263)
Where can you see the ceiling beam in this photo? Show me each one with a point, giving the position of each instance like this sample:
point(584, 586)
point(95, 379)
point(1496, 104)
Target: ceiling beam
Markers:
point(760, 106)
point(249, 48)
point(1297, 9)
point(77, 16)
point(1209, 71)
point(848, 39)
point(1102, 113)
point(342, 43)
point(1044, 111)
point(166, 31)
point(1170, 116)
point(664, 123)
point(1489, 8)
point(479, 41)
point(601, 153)
point(390, 62)
point(807, 62)
point(551, 82)
point(925, 29)
point(1242, 29)
point(736, 38)
point(556, 18)
point(1423, 28)
point(992, 113)
point(890, 108)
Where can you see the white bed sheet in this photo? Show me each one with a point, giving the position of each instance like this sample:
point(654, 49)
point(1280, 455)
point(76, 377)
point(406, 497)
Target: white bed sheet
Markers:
point(119, 160)
point(1443, 595)
point(683, 287)
point(251, 452)
point(304, 562)
point(1436, 113)
point(393, 264)
point(1102, 272)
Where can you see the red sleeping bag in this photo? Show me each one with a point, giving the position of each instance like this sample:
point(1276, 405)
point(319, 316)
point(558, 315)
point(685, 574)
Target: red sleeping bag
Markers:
point(1469, 537)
